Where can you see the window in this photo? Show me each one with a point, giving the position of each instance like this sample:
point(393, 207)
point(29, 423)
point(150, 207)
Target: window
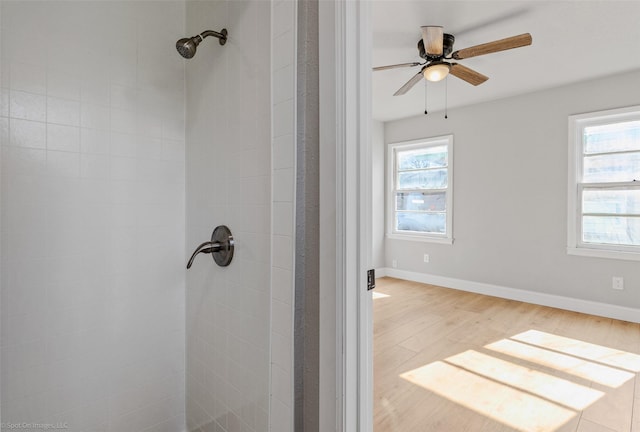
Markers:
point(604, 184)
point(420, 192)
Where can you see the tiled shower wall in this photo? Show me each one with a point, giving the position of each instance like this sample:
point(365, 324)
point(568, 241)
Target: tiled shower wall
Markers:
point(283, 35)
point(229, 182)
point(92, 139)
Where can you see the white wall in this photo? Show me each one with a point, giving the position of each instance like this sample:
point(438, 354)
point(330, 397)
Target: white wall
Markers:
point(378, 193)
point(92, 140)
point(510, 202)
point(228, 131)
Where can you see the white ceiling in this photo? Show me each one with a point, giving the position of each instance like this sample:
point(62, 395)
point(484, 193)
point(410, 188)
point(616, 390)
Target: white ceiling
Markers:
point(572, 41)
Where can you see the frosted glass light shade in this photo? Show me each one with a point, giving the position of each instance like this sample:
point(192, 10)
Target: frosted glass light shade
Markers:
point(432, 39)
point(436, 72)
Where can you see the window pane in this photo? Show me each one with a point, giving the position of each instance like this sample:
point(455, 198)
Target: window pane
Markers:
point(612, 137)
point(431, 179)
point(612, 168)
point(422, 201)
point(611, 201)
point(611, 230)
point(421, 222)
point(430, 157)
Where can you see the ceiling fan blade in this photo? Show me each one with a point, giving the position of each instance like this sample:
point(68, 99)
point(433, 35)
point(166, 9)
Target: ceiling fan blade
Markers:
point(400, 65)
point(466, 74)
point(432, 38)
point(495, 46)
point(413, 81)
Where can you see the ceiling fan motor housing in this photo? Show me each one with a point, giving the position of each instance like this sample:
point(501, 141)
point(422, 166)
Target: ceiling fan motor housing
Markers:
point(447, 48)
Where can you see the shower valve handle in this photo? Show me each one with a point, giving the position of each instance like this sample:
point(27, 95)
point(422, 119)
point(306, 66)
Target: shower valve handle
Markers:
point(206, 247)
point(220, 247)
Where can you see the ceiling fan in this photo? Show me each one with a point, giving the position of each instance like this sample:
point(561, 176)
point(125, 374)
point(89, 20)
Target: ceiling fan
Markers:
point(436, 48)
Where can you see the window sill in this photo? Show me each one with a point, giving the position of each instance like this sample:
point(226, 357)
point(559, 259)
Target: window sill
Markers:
point(420, 238)
point(601, 253)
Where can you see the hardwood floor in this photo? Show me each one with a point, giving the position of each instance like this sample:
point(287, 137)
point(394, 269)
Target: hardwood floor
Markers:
point(450, 361)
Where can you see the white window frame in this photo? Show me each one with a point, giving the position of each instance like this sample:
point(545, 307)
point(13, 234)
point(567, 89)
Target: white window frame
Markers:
point(392, 233)
point(575, 245)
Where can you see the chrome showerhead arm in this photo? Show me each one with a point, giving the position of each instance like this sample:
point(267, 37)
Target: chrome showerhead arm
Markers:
point(222, 36)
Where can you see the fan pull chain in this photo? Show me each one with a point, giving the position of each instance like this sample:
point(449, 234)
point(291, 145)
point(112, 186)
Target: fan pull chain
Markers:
point(446, 95)
point(425, 97)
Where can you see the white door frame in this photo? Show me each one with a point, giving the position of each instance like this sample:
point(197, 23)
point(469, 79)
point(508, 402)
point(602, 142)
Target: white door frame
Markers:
point(346, 335)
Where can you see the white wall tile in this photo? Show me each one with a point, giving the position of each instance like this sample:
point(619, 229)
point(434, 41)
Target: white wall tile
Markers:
point(24, 293)
point(282, 285)
point(4, 131)
point(124, 144)
point(63, 111)
point(283, 155)
point(123, 168)
point(25, 133)
point(95, 314)
point(122, 72)
point(283, 50)
point(63, 164)
point(28, 106)
point(283, 252)
point(152, 147)
point(94, 89)
point(283, 17)
point(123, 121)
point(283, 118)
point(109, 75)
point(282, 318)
point(4, 102)
point(64, 138)
point(282, 218)
point(231, 147)
point(63, 84)
point(283, 81)
point(94, 141)
point(29, 78)
point(123, 97)
point(281, 351)
point(283, 185)
point(25, 162)
point(283, 152)
point(94, 116)
point(95, 166)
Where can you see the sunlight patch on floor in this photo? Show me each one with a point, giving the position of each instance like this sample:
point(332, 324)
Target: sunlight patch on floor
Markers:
point(379, 295)
point(547, 386)
point(577, 348)
point(578, 367)
point(523, 398)
point(517, 409)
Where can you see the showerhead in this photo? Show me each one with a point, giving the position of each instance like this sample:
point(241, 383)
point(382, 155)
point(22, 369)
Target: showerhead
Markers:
point(187, 46)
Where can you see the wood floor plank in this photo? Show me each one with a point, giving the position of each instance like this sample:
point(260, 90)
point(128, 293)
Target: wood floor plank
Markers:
point(443, 328)
point(392, 358)
point(435, 368)
point(403, 334)
point(615, 409)
point(589, 426)
point(635, 421)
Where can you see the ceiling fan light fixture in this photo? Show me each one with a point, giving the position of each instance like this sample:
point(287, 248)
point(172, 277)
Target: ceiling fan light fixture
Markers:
point(432, 38)
point(436, 71)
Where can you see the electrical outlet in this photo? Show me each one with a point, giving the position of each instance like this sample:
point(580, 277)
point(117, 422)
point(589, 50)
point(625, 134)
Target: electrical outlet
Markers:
point(617, 283)
point(426, 258)
point(394, 263)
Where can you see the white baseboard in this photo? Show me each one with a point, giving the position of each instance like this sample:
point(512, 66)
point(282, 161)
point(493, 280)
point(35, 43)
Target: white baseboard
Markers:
point(543, 299)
